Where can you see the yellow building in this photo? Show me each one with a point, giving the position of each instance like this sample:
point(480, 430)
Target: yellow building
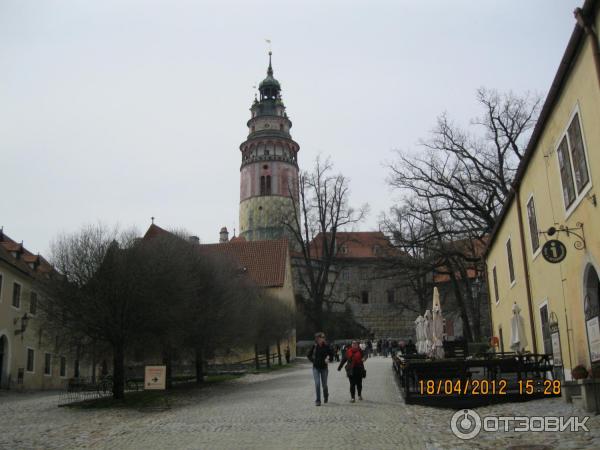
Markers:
point(554, 198)
point(27, 359)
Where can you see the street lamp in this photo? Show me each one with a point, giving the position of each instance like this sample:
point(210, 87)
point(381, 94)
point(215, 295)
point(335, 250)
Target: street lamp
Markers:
point(24, 322)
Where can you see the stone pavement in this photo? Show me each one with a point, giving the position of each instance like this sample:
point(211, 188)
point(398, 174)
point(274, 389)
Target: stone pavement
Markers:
point(272, 411)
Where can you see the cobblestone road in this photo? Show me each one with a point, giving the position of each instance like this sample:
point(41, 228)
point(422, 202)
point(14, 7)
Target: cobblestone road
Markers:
point(276, 411)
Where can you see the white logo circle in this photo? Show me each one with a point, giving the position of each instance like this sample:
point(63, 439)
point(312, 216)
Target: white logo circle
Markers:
point(465, 424)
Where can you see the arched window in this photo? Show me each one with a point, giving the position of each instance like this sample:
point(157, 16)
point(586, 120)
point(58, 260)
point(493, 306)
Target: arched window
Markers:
point(265, 185)
point(268, 190)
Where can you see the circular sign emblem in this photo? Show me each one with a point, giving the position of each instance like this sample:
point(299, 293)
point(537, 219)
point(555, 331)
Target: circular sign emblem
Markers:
point(465, 424)
point(554, 251)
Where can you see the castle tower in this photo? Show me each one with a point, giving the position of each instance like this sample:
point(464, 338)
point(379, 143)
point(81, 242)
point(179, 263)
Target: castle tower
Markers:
point(269, 171)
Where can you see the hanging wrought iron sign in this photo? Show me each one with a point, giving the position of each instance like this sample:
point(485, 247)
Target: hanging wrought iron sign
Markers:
point(554, 251)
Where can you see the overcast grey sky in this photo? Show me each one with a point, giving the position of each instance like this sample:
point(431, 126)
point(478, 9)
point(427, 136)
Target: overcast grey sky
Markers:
point(119, 110)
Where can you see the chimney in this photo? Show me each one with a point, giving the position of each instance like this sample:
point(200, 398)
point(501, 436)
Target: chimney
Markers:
point(194, 240)
point(223, 235)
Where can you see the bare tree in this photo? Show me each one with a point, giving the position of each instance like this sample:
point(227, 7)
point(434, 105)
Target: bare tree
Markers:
point(274, 322)
point(453, 194)
point(221, 312)
point(321, 212)
point(97, 293)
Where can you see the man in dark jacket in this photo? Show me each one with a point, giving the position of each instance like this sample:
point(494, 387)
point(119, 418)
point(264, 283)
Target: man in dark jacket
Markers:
point(318, 355)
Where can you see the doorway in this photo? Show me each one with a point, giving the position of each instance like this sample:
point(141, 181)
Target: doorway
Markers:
point(3, 361)
point(591, 308)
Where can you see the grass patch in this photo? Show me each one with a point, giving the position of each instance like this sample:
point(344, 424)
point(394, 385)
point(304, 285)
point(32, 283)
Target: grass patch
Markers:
point(150, 399)
point(134, 400)
point(221, 378)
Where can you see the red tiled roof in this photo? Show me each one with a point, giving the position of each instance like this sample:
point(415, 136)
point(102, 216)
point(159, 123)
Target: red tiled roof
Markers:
point(474, 248)
point(154, 231)
point(24, 261)
point(356, 244)
point(264, 261)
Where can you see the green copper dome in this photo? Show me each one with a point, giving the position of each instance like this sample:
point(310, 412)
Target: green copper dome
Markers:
point(269, 87)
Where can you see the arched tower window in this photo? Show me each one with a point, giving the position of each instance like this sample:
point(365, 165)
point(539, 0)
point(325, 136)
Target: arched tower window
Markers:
point(265, 185)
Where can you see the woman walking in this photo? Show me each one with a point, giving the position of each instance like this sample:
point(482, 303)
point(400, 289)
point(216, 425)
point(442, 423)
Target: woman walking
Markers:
point(354, 359)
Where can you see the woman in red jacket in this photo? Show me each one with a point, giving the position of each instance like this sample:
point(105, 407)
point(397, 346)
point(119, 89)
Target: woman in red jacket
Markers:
point(354, 359)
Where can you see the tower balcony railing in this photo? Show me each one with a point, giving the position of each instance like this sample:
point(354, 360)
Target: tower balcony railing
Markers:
point(256, 158)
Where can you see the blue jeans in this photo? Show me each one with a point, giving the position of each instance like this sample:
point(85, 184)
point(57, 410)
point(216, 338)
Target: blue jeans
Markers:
point(320, 376)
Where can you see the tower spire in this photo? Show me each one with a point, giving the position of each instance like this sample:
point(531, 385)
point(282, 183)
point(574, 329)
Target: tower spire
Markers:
point(270, 70)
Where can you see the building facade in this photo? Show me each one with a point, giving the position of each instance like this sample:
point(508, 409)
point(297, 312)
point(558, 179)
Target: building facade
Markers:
point(29, 359)
point(382, 299)
point(269, 170)
point(544, 254)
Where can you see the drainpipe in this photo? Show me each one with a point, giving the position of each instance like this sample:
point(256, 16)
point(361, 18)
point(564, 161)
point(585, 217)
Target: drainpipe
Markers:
point(525, 269)
point(588, 26)
point(489, 297)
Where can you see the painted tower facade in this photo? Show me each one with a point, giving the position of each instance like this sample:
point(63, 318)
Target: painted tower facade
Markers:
point(269, 170)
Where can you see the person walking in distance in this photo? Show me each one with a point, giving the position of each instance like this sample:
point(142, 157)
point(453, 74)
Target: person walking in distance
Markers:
point(354, 359)
point(318, 355)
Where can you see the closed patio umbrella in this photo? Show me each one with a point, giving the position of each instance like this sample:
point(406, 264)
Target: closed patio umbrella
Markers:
point(419, 334)
point(518, 339)
point(428, 328)
point(437, 326)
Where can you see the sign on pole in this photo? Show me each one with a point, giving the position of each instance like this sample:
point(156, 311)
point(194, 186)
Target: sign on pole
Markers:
point(554, 251)
point(155, 377)
point(556, 353)
point(593, 332)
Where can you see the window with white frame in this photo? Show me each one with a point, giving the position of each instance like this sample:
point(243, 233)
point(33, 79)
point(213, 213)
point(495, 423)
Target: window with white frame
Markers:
point(47, 364)
point(533, 229)
point(346, 274)
point(572, 163)
point(16, 298)
point(495, 278)
point(30, 360)
point(509, 257)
